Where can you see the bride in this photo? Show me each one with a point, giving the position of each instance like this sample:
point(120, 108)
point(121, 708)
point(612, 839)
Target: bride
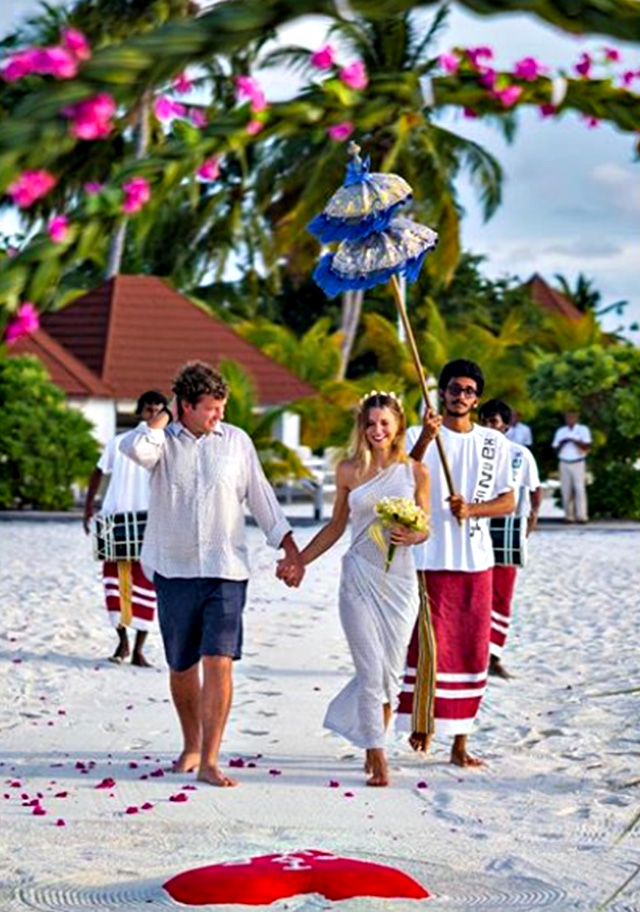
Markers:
point(377, 608)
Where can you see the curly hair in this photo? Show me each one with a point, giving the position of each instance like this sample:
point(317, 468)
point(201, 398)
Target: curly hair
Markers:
point(360, 448)
point(151, 397)
point(461, 368)
point(198, 379)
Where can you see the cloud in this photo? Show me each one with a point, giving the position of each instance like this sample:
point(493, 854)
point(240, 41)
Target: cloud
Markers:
point(618, 185)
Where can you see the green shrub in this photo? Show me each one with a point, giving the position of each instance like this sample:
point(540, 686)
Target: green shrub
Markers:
point(45, 446)
point(614, 491)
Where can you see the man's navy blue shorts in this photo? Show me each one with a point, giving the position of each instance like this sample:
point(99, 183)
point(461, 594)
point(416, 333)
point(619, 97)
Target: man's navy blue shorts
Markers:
point(199, 617)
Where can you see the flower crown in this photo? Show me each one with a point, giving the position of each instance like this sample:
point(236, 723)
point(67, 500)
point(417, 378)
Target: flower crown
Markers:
point(372, 393)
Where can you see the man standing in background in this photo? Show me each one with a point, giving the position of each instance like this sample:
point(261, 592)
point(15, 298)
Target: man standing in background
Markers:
point(573, 442)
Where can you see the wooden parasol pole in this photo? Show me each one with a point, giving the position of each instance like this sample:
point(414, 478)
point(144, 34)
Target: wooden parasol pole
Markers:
point(397, 294)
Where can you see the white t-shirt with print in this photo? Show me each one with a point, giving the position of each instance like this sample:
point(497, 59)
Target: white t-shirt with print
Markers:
point(128, 482)
point(525, 477)
point(570, 452)
point(480, 463)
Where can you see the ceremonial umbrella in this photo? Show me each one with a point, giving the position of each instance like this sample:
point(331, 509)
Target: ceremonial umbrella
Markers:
point(376, 244)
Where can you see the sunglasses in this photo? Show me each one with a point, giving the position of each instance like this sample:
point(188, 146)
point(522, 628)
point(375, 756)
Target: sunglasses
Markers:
point(469, 392)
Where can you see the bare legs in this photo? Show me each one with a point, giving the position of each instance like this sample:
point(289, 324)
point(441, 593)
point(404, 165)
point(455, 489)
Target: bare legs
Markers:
point(203, 710)
point(123, 651)
point(375, 759)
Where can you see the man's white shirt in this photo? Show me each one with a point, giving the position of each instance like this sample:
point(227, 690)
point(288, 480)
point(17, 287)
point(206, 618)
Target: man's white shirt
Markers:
point(525, 477)
point(128, 489)
point(570, 452)
point(520, 433)
point(480, 463)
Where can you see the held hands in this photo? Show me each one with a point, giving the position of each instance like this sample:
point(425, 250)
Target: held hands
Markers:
point(290, 571)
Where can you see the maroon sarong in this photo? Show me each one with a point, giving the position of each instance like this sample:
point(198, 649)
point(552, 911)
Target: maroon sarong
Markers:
point(504, 582)
point(460, 604)
point(142, 592)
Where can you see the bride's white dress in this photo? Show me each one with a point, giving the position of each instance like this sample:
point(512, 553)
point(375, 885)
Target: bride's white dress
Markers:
point(377, 610)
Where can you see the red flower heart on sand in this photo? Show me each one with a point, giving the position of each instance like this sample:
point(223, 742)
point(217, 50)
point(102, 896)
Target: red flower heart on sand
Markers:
point(266, 878)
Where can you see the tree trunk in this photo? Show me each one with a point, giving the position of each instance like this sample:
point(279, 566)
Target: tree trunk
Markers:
point(351, 307)
point(119, 235)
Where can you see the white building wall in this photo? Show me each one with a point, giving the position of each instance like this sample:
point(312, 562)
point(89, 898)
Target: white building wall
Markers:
point(102, 415)
point(286, 429)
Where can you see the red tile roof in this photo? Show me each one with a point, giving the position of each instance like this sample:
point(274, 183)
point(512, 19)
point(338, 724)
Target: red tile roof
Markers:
point(551, 300)
point(135, 332)
point(63, 368)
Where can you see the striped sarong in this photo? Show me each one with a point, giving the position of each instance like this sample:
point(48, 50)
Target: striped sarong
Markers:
point(129, 596)
point(460, 604)
point(416, 705)
point(504, 582)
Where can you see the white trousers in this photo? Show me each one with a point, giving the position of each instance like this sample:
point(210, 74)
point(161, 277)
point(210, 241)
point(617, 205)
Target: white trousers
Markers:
point(573, 487)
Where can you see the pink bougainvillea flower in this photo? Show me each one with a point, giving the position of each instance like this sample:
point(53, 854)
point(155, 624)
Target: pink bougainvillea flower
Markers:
point(26, 321)
point(182, 83)
point(475, 54)
point(487, 77)
point(38, 811)
point(469, 113)
point(198, 117)
point(75, 42)
point(583, 66)
point(592, 122)
point(137, 194)
point(324, 58)
point(58, 229)
point(166, 108)
point(19, 65)
point(248, 87)
point(528, 69)
point(209, 170)
point(92, 118)
point(254, 126)
point(355, 75)
point(157, 773)
point(61, 794)
point(147, 806)
point(334, 784)
point(341, 131)
point(237, 762)
point(547, 110)
point(422, 784)
point(132, 809)
point(629, 76)
point(450, 63)
point(180, 797)
point(57, 62)
point(275, 772)
point(93, 187)
point(612, 55)
point(349, 795)
point(508, 96)
point(61, 822)
point(30, 186)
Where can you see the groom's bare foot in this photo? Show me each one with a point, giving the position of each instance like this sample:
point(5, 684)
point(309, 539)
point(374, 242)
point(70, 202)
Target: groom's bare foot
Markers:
point(213, 775)
point(420, 741)
point(463, 758)
point(187, 762)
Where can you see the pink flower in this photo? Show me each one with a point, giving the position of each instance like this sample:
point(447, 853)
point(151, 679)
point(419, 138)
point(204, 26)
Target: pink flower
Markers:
point(508, 96)
point(341, 131)
point(254, 126)
point(19, 65)
point(469, 113)
point(583, 66)
point(247, 87)
point(92, 118)
point(180, 797)
point(422, 784)
point(132, 809)
point(612, 55)
point(474, 55)
point(182, 83)
point(57, 62)
point(528, 69)
point(236, 762)
point(137, 193)
point(487, 78)
point(355, 75)
point(30, 186)
point(60, 822)
point(334, 784)
point(166, 109)
point(198, 117)
point(628, 77)
point(147, 806)
point(592, 122)
point(106, 783)
point(38, 811)
point(75, 42)
point(323, 59)
point(450, 63)
point(547, 110)
point(92, 188)
point(58, 228)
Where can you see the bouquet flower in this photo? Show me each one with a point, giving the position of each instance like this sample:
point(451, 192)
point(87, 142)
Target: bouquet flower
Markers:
point(397, 511)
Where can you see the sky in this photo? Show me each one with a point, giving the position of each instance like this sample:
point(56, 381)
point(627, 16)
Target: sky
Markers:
point(571, 196)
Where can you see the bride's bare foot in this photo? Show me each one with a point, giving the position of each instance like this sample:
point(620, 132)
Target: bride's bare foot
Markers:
point(367, 761)
point(378, 768)
point(187, 762)
point(214, 776)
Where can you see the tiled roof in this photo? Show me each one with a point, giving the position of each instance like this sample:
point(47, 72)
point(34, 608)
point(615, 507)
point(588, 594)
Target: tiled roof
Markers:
point(136, 332)
point(65, 370)
point(550, 299)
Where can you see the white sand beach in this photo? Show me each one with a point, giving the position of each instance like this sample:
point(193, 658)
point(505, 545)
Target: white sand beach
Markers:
point(537, 828)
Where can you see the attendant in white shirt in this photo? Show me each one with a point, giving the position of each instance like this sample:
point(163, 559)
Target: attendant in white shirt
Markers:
point(526, 482)
point(518, 431)
point(129, 595)
point(203, 471)
point(573, 442)
point(455, 564)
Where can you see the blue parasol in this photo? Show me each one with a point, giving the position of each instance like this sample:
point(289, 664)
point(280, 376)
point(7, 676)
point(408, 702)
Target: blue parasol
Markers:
point(376, 244)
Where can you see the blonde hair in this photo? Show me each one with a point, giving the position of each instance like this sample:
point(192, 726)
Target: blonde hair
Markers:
point(360, 448)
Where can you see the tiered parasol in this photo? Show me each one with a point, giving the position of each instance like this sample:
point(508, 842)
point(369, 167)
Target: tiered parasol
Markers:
point(376, 244)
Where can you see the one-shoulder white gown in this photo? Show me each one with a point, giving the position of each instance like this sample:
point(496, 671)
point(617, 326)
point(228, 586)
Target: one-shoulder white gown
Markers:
point(377, 610)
